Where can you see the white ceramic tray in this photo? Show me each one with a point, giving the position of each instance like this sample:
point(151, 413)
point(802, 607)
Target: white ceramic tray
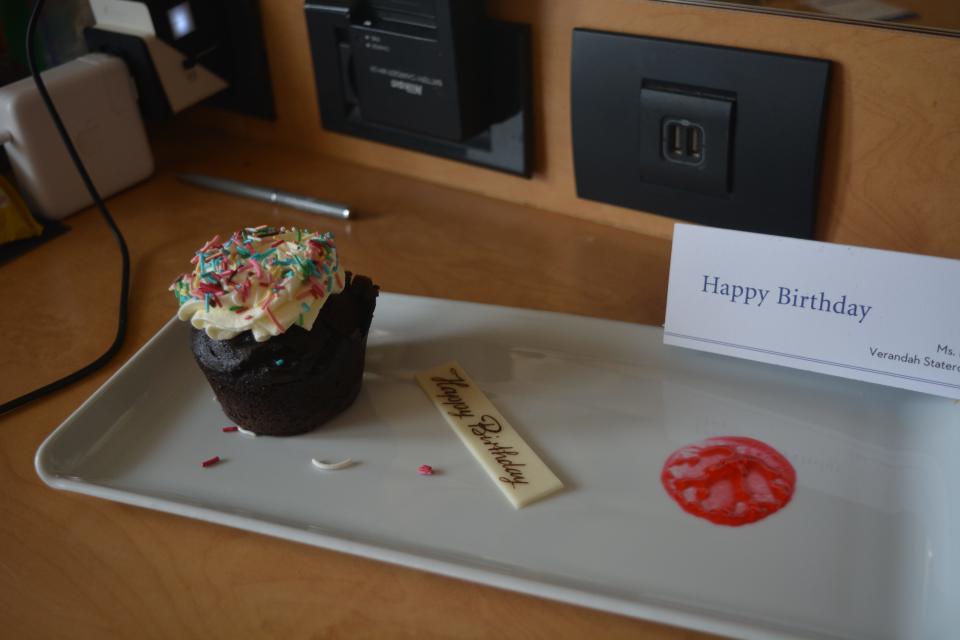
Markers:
point(867, 548)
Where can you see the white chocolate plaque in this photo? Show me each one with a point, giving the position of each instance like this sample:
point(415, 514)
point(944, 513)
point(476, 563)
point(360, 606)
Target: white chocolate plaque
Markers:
point(512, 465)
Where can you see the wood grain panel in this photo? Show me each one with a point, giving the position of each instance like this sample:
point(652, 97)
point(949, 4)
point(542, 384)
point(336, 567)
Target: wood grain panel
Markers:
point(892, 143)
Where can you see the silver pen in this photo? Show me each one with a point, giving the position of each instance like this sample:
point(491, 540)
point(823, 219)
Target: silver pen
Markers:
point(266, 194)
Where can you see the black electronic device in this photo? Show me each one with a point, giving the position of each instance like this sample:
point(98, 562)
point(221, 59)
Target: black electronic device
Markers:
point(432, 75)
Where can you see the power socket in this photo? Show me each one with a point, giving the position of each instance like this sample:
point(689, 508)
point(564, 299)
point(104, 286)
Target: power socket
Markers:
point(682, 142)
point(716, 135)
point(181, 52)
point(685, 135)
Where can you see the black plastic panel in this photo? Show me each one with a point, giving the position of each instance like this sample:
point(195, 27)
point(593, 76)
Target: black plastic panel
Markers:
point(242, 60)
point(773, 145)
point(471, 112)
point(228, 41)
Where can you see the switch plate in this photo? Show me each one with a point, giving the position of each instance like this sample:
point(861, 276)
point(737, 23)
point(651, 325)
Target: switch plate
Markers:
point(760, 116)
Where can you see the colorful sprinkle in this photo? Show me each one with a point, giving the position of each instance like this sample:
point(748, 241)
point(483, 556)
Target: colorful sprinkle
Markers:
point(275, 321)
point(425, 470)
point(259, 268)
point(230, 429)
point(260, 257)
point(268, 300)
point(279, 362)
point(209, 463)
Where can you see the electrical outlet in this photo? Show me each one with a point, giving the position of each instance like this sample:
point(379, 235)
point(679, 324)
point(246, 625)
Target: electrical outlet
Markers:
point(682, 142)
point(196, 46)
point(685, 137)
point(716, 135)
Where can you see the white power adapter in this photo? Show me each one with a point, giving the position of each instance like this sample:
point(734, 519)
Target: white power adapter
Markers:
point(97, 101)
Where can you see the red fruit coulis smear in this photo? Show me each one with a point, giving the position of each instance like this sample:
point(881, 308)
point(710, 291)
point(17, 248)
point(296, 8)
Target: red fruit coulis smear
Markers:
point(729, 480)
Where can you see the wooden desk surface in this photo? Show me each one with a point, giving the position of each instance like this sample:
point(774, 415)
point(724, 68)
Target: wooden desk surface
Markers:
point(77, 567)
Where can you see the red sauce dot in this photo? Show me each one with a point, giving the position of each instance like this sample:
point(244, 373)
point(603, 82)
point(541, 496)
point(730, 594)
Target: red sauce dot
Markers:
point(729, 480)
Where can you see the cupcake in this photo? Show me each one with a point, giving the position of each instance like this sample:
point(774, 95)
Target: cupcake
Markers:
point(279, 329)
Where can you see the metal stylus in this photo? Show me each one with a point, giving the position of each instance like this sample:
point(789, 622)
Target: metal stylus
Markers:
point(266, 194)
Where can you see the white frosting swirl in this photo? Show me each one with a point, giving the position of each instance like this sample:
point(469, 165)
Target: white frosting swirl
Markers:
point(262, 279)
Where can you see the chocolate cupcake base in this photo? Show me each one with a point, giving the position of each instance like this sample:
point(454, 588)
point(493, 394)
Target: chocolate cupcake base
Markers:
point(298, 380)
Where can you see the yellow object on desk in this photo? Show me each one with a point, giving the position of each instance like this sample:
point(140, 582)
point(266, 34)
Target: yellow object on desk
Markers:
point(16, 223)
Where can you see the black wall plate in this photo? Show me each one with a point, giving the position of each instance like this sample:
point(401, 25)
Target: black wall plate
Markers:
point(751, 123)
point(232, 47)
point(243, 60)
point(504, 145)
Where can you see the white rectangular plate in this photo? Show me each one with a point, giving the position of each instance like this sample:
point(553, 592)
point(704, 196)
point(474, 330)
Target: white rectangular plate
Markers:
point(867, 547)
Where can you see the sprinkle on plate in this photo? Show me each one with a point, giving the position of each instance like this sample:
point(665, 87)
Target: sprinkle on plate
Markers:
point(332, 466)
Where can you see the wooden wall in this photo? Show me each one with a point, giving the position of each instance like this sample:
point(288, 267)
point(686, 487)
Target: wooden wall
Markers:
point(891, 176)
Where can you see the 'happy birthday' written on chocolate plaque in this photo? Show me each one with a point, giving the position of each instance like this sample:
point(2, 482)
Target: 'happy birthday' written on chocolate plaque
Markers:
point(515, 468)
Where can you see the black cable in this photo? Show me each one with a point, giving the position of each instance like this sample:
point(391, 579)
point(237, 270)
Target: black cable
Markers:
point(124, 254)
